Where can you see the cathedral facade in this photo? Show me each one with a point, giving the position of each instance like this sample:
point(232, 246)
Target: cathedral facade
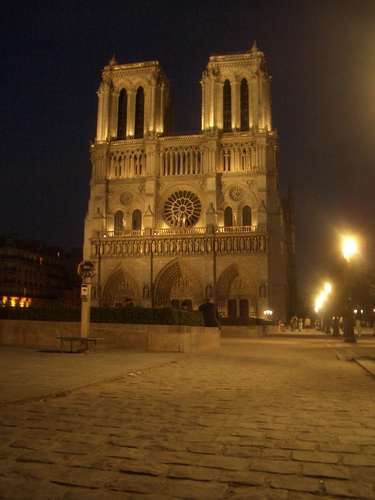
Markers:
point(183, 218)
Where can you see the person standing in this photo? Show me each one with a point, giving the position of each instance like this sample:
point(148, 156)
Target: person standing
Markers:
point(210, 314)
point(358, 320)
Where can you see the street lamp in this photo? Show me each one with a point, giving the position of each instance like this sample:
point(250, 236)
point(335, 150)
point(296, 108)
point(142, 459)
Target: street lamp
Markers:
point(267, 314)
point(349, 249)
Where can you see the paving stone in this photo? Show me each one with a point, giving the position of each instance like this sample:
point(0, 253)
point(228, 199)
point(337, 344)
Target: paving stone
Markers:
point(276, 466)
point(121, 452)
point(38, 456)
point(325, 470)
point(178, 458)
point(84, 478)
point(248, 478)
point(242, 451)
point(350, 489)
point(206, 448)
point(223, 462)
point(339, 447)
point(296, 483)
point(130, 483)
point(195, 490)
point(298, 445)
point(253, 493)
point(316, 456)
point(360, 459)
point(276, 453)
point(74, 448)
point(357, 439)
point(29, 489)
point(143, 468)
point(194, 473)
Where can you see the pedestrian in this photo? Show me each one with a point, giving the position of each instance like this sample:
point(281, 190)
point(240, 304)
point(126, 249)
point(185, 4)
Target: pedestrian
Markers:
point(293, 323)
point(300, 324)
point(358, 320)
point(335, 326)
point(341, 324)
point(307, 323)
point(210, 314)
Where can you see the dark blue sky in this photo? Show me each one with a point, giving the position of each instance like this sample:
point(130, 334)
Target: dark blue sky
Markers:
point(321, 55)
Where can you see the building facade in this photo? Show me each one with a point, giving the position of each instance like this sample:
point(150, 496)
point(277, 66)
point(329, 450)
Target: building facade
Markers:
point(173, 218)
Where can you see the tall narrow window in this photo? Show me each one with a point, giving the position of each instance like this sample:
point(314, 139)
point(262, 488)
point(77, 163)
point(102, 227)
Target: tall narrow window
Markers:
point(227, 107)
point(122, 113)
point(228, 217)
point(137, 220)
point(119, 221)
point(244, 105)
point(139, 113)
point(246, 216)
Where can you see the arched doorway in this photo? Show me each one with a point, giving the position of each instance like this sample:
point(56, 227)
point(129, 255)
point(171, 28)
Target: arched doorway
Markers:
point(237, 292)
point(178, 282)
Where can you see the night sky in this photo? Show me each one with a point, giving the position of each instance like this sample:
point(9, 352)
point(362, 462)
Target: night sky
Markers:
point(320, 53)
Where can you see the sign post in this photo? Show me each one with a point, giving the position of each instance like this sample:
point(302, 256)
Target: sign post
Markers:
point(86, 269)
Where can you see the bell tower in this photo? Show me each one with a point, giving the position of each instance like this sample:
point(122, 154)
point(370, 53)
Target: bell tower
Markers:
point(134, 102)
point(236, 93)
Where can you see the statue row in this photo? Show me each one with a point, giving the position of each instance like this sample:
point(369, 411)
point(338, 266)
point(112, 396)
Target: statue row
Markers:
point(185, 246)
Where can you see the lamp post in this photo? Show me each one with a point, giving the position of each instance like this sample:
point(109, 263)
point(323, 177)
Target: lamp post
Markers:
point(349, 248)
point(327, 319)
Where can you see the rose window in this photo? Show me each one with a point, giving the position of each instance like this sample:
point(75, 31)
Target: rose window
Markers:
point(182, 209)
point(236, 193)
point(126, 198)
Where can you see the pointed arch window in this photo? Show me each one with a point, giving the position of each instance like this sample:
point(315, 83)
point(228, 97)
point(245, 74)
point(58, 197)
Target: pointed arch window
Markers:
point(227, 107)
point(122, 113)
point(246, 216)
point(244, 91)
point(139, 113)
point(137, 220)
point(228, 217)
point(119, 220)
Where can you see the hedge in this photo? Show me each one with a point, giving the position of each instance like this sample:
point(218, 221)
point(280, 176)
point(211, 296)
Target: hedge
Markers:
point(129, 314)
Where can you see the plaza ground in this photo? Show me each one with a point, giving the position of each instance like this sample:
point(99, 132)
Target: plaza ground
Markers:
point(285, 416)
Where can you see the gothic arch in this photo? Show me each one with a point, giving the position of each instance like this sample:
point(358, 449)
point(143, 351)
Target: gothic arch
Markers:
point(177, 280)
point(237, 283)
point(120, 285)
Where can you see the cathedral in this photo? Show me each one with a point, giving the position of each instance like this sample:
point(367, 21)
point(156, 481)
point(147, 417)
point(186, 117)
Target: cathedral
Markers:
point(189, 217)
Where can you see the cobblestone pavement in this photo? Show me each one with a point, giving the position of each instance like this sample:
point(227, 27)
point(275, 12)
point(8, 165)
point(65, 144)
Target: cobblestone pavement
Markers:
point(270, 418)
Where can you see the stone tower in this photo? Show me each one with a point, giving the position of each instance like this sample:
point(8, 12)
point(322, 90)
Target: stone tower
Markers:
point(173, 218)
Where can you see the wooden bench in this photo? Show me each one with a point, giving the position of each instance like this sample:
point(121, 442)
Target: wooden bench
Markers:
point(84, 342)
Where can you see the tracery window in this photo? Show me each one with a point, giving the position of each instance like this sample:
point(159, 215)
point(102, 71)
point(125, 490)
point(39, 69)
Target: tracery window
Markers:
point(139, 113)
point(122, 113)
point(182, 209)
point(244, 92)
point(227, 107)
point(228, 217)
point(119, 220)
point(246, 216)
point(226, 160)
point(137, 220)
